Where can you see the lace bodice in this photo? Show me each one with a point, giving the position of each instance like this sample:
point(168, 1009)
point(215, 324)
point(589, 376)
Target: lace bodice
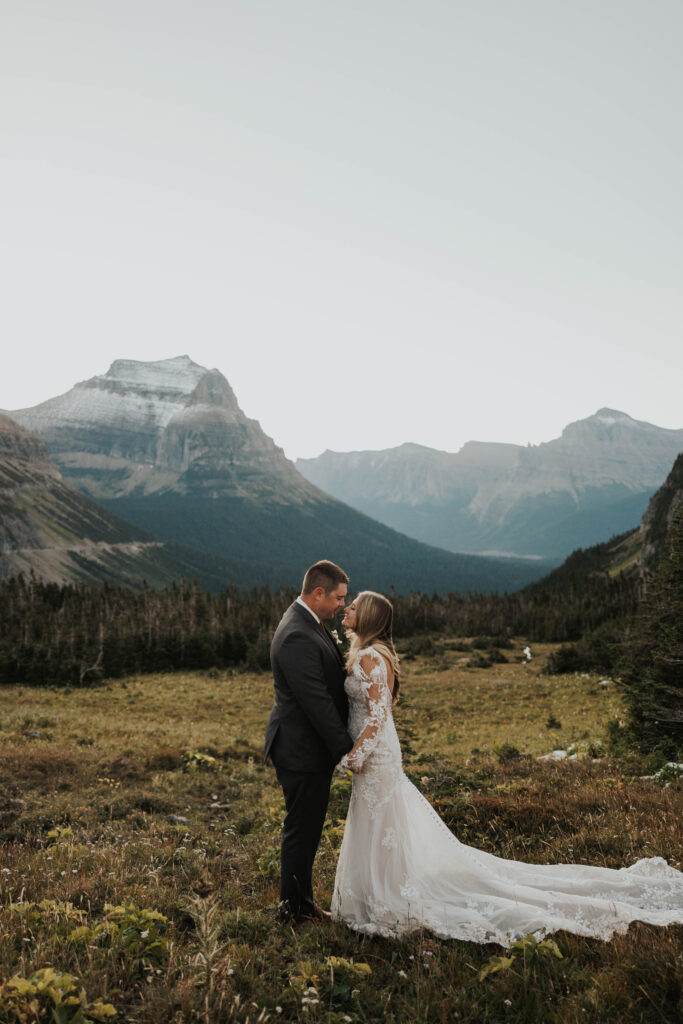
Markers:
point(376, 753)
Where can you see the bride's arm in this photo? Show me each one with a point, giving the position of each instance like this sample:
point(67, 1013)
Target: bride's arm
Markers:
point(377, 702)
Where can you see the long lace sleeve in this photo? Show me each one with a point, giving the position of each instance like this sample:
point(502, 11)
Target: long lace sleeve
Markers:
point(371, 669)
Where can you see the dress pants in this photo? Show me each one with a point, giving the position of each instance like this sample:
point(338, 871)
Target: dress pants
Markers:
point(306, 797)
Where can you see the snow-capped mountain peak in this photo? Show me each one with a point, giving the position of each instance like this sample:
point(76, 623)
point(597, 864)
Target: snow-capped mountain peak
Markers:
point(179, 374)
point(171, 424)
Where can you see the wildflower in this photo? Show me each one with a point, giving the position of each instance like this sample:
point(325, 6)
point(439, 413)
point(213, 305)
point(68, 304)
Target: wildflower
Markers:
point(402, 974)
point(507, 1002)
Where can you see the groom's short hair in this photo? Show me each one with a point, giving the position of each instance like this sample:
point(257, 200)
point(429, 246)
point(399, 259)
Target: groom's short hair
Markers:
point(323, 574)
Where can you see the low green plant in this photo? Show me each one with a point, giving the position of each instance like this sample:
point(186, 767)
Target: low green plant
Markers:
point(135, 934)
point(59, 834)
point(50, 995)
point(194, 759)
point(524, 958)
point(344, 974)
point(48, 917)
point(47, 911)
point(268, 863)
point(332, 980)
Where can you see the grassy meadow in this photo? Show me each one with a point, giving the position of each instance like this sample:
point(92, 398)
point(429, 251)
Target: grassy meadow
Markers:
point(139, 837)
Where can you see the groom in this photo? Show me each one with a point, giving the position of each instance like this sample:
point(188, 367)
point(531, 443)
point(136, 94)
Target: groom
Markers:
point(306, 733)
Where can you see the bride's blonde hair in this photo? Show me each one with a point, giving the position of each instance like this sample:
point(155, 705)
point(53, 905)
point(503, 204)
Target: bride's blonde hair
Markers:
point(374, 622)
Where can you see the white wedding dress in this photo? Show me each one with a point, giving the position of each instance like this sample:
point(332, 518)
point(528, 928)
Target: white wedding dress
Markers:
point(400, 868)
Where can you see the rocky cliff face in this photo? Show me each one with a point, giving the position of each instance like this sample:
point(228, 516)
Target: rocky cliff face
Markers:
point(62, 535)
point(593, 481)
point(171, 425)
point(45, 525)
point(658, 519)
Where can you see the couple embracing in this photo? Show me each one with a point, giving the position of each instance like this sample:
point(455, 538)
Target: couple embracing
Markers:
point(400, 869)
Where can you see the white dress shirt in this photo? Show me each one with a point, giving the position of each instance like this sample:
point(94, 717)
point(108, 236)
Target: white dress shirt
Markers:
point(309, 610)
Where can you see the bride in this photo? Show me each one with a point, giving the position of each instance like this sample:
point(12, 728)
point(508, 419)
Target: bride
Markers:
point(400, 868)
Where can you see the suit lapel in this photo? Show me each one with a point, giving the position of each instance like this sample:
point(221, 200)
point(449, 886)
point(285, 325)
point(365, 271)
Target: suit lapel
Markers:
point(332, 642)
point(315, 628)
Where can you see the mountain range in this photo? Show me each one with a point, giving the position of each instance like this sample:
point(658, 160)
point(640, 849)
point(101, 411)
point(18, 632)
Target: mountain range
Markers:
point(491, 498)
point(165, 451)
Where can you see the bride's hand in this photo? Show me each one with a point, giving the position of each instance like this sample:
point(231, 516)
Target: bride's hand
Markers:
point(348, 764)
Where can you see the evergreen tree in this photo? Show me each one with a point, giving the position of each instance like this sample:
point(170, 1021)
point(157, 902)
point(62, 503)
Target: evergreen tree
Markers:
point(652, 667)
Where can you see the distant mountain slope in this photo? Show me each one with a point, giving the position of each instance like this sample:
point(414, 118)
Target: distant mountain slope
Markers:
point(633, 554)
point(165, 446)
point(63, 536)
point(544, 500)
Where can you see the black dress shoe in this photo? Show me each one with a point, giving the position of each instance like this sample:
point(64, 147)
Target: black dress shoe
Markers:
point(317, 914)
point(312, 913)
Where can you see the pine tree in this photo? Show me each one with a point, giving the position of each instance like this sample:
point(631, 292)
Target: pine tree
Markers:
point(652, 667)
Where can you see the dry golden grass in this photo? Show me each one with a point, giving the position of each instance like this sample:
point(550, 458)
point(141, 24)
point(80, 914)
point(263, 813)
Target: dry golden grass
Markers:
point(85, 819)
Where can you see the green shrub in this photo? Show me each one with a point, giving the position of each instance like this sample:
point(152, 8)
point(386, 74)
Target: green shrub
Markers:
point(564, 660)
point(598, 651)
point(506, 752)
point(488, 643)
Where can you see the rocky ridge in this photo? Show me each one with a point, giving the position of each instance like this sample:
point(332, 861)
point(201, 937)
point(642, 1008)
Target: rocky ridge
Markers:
point(593, 481)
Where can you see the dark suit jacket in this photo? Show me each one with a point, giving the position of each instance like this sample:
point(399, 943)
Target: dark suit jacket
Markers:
point(306, 731)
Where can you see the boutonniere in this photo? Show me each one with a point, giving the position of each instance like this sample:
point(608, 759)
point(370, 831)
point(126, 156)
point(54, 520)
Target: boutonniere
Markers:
point(335, 636)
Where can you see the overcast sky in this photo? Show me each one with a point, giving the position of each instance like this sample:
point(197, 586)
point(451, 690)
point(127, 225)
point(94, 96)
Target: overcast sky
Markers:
point(382, 220)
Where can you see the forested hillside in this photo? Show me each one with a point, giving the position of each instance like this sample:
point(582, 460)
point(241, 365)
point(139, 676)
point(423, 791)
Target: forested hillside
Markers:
point(78, 634)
